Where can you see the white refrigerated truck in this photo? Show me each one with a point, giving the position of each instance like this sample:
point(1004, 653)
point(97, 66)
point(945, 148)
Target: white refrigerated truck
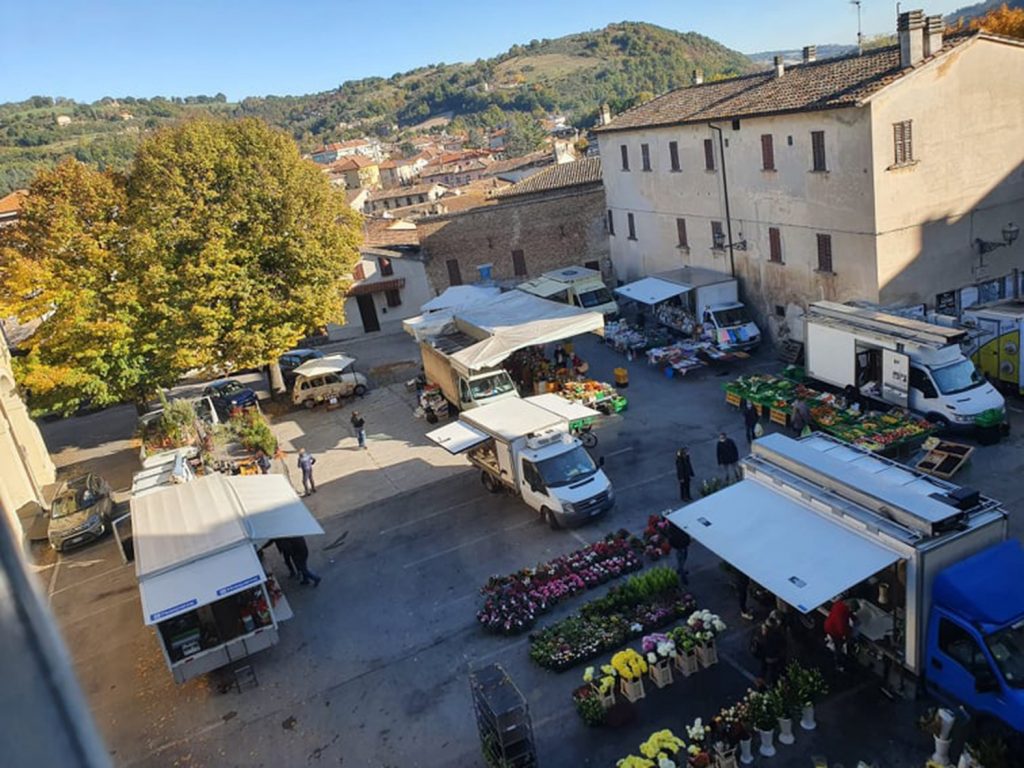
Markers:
point(900, 361)
point(527, 448)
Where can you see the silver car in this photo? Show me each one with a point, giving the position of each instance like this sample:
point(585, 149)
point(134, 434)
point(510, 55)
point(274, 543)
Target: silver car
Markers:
point(80, 512)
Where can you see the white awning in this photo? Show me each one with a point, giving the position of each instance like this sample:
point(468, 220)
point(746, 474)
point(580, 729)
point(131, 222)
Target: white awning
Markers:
point(651, 290)
point(200, 583)
point(457, 437)
point(559, 406)
point(319, 366)
point(791, 550)
point(271, 507)
point(431, 324)
point(461, 296)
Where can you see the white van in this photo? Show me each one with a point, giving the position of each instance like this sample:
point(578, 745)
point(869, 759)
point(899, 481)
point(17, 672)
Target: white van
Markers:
point(324, 378)
point(579, 286)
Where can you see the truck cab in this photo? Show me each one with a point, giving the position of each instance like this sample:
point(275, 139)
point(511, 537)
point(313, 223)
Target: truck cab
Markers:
point(579, 286)
point(951, 392)
point(975, 644)
point(485, 387)
point(733, 328)
point(560, 479)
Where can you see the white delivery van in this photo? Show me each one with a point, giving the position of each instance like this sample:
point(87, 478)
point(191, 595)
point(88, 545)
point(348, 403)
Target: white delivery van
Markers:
point(901, 361)
point(578, 286)
point(324, 378)
point(526, 448)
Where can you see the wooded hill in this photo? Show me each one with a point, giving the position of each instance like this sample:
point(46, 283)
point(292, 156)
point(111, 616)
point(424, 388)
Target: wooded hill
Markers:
point(571, 75)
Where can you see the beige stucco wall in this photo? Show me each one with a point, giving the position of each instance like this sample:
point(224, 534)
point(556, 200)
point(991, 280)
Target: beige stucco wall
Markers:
point(25, 465)
point(968, 179)
point(801, 203)
point(415, 294)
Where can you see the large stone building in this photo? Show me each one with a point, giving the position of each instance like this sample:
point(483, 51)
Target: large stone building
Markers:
point(555, 218)
point(868, 177)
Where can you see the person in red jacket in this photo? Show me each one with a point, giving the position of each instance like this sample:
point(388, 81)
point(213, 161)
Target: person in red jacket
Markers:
point(839, 629)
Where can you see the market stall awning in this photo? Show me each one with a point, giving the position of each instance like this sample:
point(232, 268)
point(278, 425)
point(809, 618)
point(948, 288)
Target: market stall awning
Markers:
point(563, 408)
point(379, 286)
point(516, 320)
point(791, 550)
point(456, 437)
point(651, 290)
point(431, 324)
point(271, 507)
point(200, 583)
point(320, 366)
point(543, 286)
point(461, 296)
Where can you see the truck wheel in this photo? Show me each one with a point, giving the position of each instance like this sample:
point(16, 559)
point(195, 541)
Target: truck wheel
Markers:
point(310, 404)
point(938, 420)
point(549, 516)
point(489, 482)
point(360, 390)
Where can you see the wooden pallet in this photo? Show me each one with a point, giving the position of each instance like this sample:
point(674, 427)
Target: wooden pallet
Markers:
point(731, 398)
point(944, 459)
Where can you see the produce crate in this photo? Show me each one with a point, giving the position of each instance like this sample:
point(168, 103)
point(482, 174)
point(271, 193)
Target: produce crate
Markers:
point(731, 398)
point(944, 459)
point(779, 417)
point(619, 404)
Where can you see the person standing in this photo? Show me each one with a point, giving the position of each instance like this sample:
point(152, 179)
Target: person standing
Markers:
point(728, 457)
point(838, 630)
point(284, 547)
point(306, 462)
point(801, 416)
point(359, 425)
point(750, 418)
point(773, 649)
point(300, 554)
point(263, 462)
point(742, 584)
point(680, 541)
point(684, 473)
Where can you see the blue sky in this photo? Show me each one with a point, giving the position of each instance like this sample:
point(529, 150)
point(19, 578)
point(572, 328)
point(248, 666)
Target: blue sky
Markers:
point(86, 50)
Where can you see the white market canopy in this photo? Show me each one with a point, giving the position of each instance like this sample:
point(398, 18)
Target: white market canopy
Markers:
point(651, 290)
point(461, 296)
point(783, 545)
point(320, 366)
point(195, 542)
point(516, 320)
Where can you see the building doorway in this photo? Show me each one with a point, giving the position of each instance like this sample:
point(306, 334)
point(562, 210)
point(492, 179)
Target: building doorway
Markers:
point(368, 313)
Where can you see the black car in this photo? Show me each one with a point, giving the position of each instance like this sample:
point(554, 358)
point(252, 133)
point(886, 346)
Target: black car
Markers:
point(292, 359)
point(228, 395)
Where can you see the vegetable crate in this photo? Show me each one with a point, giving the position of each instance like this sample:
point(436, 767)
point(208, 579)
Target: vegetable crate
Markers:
point(503, 719)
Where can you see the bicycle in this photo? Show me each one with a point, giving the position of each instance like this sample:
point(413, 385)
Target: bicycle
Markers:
point(586, 435)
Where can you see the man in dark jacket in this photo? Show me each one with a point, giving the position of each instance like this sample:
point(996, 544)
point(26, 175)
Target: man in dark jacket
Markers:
point(680, 541)
point(750, 420)
point(684, 473)
point(300, 554)
point(728, 457)
point(284, 547)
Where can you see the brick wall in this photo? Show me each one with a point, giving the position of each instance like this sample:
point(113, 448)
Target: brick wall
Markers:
point(556, 229)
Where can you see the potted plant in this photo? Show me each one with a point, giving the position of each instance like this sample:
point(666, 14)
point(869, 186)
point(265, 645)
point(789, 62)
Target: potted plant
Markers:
point(810, 686)
point(686, 651)
point(762, 714)
point(588, 705)
point(785, 704)
point(662, 748)
point(705, 626)
point(630, 667)
point(660, 650)
point(603, 685)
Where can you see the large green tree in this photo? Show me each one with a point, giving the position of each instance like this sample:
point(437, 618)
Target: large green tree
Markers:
point(219, 248)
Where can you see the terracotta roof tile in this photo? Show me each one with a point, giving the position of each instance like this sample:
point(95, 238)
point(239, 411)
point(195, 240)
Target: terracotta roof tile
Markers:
point(13, 202)
point(561, 176)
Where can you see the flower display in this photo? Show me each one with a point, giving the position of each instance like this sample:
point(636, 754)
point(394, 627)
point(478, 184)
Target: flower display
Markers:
point(636, 762)
point(662, 743)
point(732, 724)
point(656, 543)
point(660, 644)
point(589, 706)
point(629, 664)
point(513, 603)
point(705, 625)
point(697, 732)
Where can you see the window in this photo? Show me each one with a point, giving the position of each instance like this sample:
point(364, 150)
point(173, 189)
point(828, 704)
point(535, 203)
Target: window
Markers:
point(902, 143)
point(625, 156)
point(673, 155)
point(594, 265)
point(611, 222)
point(767, 153)
point(709, 155)
point(774, 245)
point(384, 265)
point(717, 235)
point(393, 297)
point(518, 262)
point(919, 380)
point(681, 233)
point(490, 242)
point(631, 224)
point(824, 253)
point(818, 151)
point(780, 311)
point(454, 276)
point(359, 273)
point(645, 156)
point(957, 643)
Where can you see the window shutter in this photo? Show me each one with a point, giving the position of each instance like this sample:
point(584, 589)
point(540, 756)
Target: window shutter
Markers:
point(767, 153)
point(631, 223)
point(625, 156)
point(824, 253)
point(775, 245)
point(681, 232)
point(519, 263)
point(818, 150)
point(645, 156)
point(673, 154)
point(709, 155)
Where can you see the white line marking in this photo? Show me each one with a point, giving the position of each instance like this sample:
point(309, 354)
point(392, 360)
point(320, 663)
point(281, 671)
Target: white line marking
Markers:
point(503, 649)
point(579, 538)
point(79, 582)
point(621, 488)
point(517, 526)
point(728, 659)
point(618, 452)
point(469, 543)
point(445, 511)
point(53, 576)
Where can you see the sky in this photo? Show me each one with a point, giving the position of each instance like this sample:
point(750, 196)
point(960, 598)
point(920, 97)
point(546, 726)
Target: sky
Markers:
point(87, 50)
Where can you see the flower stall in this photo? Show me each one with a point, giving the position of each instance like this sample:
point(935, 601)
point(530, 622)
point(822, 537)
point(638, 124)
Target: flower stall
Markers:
point(655, 537)
point(512, 603)
point(631, 668)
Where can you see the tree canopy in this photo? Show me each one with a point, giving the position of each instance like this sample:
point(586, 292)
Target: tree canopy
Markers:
point(1002, 21)
point(219, 248)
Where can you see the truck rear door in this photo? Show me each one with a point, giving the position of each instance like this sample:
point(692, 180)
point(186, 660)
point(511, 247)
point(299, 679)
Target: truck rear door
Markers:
point(895, 377)
point(457, 437)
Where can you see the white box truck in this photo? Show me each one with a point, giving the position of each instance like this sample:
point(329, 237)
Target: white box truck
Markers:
point(899, 361)
point(463, 388)
point(521, 446)
point(579, 286)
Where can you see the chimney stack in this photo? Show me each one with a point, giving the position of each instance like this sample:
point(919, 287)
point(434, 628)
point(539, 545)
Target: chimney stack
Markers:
point(698, 76)
point(606, 114)
point(934, 26)
point(780, 68)
point(910, 28)
point(810, 53)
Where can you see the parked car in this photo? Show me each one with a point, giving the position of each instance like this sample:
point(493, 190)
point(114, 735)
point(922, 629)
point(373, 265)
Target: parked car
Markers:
point(228, 395)
point(321, 379)
point(80, 512)
point(292, 359)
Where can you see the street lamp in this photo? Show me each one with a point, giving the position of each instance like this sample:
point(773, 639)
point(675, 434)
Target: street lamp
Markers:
point(1010, 233)
point(720, 244)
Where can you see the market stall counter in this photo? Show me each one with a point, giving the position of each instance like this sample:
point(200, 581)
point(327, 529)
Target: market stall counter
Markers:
point(201, 580)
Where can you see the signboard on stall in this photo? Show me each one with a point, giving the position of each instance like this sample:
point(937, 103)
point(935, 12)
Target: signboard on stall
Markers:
point(895, 377)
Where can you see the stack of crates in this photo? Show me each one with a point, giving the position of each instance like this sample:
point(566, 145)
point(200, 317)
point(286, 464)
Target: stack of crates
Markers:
point(503, 719)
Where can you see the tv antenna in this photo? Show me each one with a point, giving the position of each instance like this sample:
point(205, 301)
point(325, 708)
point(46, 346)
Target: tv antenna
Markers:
point(860, 35)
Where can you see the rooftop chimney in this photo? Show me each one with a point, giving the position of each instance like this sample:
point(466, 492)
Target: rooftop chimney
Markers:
point(910, 27)
point(780, 68)
point(810, 53)
point(606, 114)
point(698, 76)
point(934, 26)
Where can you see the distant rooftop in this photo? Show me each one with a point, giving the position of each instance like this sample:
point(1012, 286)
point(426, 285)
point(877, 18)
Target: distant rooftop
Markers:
point(560, 176)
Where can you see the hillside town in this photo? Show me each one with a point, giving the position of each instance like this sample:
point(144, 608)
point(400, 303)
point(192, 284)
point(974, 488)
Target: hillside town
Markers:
point(685, 435)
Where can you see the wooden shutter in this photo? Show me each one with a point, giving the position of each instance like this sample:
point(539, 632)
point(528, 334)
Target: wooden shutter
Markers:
point(625, 156)
point(611, 222)
point(681, 233)
point(645, 156)
point(902, 138)
point(518, 262)
point(673, 154)
point(632, 226)
point(709, 155)
point(774, 245)
point(824, 253)
point(818, 150)
point(767, 152)
point(454, 275)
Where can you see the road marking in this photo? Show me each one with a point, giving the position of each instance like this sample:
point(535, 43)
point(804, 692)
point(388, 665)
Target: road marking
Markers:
point(618, 452)
point(469, 543)
point(579, 538)
point(85, 581)
point(621, 488)
point(445, 511)
point(522, 524)
point(499, 652)
point(53, 576)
